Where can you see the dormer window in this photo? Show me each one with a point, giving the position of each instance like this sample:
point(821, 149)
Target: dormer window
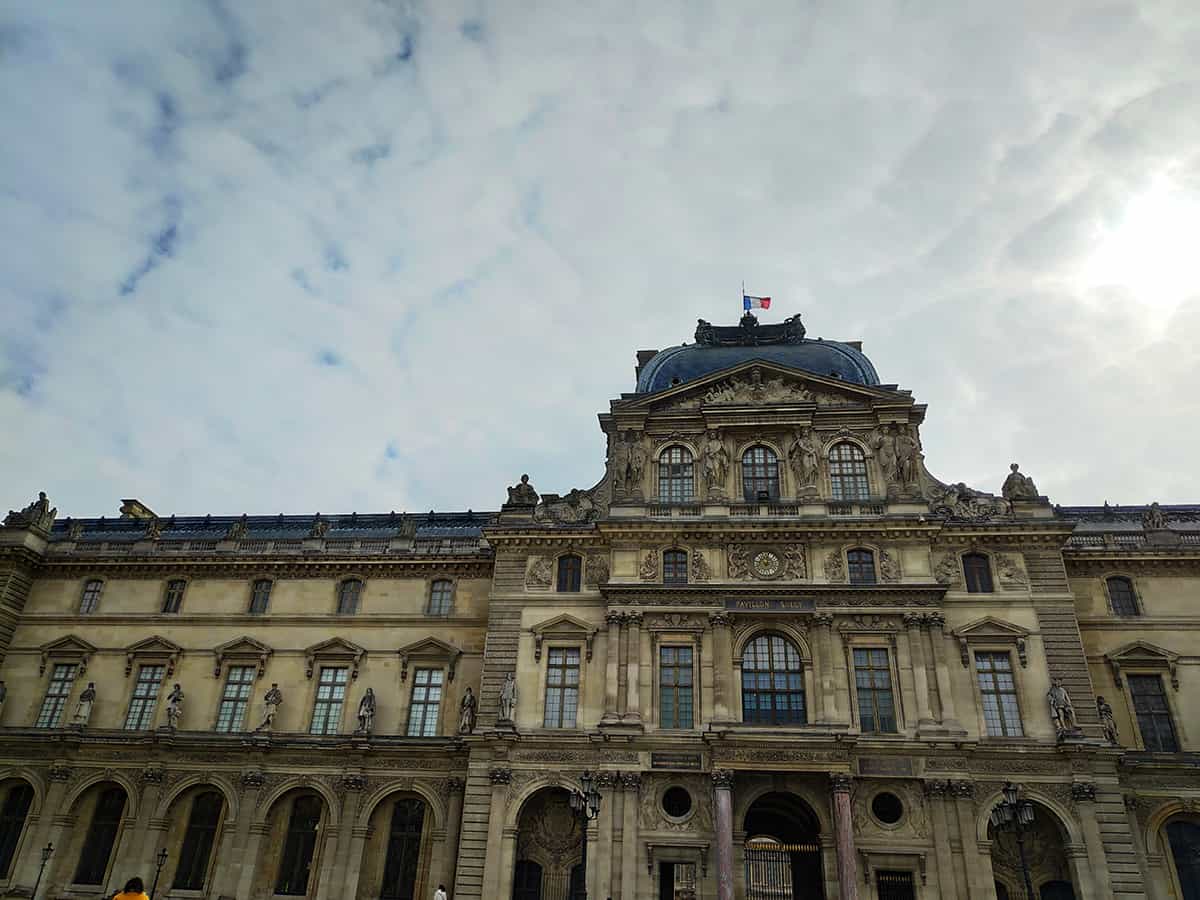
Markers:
point(760, 475)
point(848, 472)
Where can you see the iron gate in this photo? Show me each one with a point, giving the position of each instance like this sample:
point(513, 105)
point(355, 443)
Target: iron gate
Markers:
point(771, 871)
point(895, 885)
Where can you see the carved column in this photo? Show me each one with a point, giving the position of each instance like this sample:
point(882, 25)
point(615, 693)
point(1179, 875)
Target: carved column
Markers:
point(238, 877)
point(979, 875)
point(150, 837)
point(48, 830)
point(633, 651)
point(723, 789)
point(607, 783)
point(935, 799)
point(454, 788)
point(1084, 794)
point(612, 661)
point(349, 868)
point(829, 710)
point(937, 635)
point(493, 878)
point(916, 649)
point(721, 624)
point(843, 826)
point(631, 782)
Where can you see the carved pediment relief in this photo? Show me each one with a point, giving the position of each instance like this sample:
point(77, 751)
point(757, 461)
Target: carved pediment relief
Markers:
point(564, 626)
point(67, 649)
point(1142, 655)
point(990, 630)
point(763, 385)
point(334, 650)
point(244, 651)
point(150, 650)
point(429, 649)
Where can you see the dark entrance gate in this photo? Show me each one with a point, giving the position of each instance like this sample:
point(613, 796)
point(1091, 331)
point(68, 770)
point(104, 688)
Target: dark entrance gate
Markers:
point(895, 886)
point(774, 871)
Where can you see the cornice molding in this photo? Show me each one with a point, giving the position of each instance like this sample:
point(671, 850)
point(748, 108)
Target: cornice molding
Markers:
point(253, 623)
point(279, 567)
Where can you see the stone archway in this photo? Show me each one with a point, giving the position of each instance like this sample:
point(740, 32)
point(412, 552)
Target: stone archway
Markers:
point(1050, 869)
point(783, 850)
point(549, 849)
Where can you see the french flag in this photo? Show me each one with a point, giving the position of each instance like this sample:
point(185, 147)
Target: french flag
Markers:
point(749, 302)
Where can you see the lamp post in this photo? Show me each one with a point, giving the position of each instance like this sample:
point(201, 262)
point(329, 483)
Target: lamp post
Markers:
point(161, 860)
point(1015, 815)
point(46, 851)
point(586, 806)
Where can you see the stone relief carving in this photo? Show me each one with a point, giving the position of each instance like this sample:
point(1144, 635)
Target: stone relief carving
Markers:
point(37, 514)
point(889, 568)
point(628, 455)
point(549, 832)
point(794, 563)
point(574, 507)
point(539, 574)
point(897, 452)
point(649, 568)
point(700, 568)
point(957, 501)
point(1008, 569)
point(737, 559)
point(651, 814)
point(1153, 518)
point(595, 570)
point(754, 389)
point(1018, 486)
point(947, 570)
point(914, 822)
point(868, 623)
point(835, 567)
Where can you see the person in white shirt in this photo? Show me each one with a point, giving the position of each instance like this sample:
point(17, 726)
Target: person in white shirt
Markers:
point(440, 893)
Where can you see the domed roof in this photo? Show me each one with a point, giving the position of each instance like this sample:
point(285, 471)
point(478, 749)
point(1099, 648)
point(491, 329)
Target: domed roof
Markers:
point(718, 348)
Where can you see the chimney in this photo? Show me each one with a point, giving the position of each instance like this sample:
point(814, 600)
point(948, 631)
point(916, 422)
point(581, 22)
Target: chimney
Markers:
point(643, 357)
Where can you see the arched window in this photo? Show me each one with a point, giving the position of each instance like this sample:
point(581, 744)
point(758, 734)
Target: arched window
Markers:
point(978, 573)
point(772, 682)
point(348, 593)
point(299, 846)
point(441, 597)
point(12, 822)
point(1121, 596)
point(860, 564)
point(101, 836)
point(676, 476)
point(760, 474)
point(404, 842)
point(89, 602)
point(570, 572)
point(1184, 838)
point(848, 472)
point(198, 841)
point(675, 567)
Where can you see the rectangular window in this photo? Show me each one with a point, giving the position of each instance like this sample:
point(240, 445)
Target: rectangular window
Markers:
point(90, 600)
point(570, 570)
point(426, 702)
point(1153, 713)
point(235, 697)
point(675, 567)
point(562, 687)
point(260, 596)
point(331, 694)
point(61, 680)
point(999, 692)
point(873, 680)
point(675, 687)
point(173, 598)
point(145, 698)
point(441, 595)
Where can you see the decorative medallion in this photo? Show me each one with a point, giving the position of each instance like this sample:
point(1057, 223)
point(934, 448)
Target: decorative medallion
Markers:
point(767, 564)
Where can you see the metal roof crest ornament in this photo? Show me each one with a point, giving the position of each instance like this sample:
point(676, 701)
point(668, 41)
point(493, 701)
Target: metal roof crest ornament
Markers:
point(749, 333)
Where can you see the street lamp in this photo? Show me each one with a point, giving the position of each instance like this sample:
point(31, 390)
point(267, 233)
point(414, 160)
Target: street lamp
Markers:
point(586, 806)
point(46, 851)
point(161, 860)
point(1015, 815)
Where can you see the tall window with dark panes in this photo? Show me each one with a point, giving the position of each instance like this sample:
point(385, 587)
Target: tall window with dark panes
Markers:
point(1184, 837)
point(562, 687)
point(403, 850)
point(12, 822)
point(570, 573)
point(675, 567)
point(772, 682)
point(675, 678)
point(1121, 596)
point(173, 596)
point(998, 690)
point(89, 602)
point(198, 841)
point(676, 476)
point(441, 597)
point(349, 592)
point(848, 472)
point(978, 572)
point(260, 596)
point(760, 474)
point(62, 679)
point(873, 684)
point(426, 703)
point(101, 836)
point(299, 847)
point(331, 694)
point(860, 565)
point(1153, 713)
point(235, 698)
point(145, 698)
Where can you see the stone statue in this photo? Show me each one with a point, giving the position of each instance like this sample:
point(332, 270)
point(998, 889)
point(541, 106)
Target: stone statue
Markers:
point(319, 527)
point(466, 713)
point(1061, 710)
point(1107, 721)
point(153, 529)
point(1018, 486)
point(805, 459)
point(1154, 519)
point(271, 703)
point(508, 697)
point(884, 445)
point(37, 514)
point(620, 463)
point(637, 465)
point(174, 707)
point(83, 708)
point(237, 530)
point(522, 494)
point(908, 450)
point(716, 465)
point(366, 713)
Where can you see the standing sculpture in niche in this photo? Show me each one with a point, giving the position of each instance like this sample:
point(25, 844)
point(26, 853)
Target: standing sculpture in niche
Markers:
point(637, 465)
point(522, 494)
point(1062, 712)
point(619, 463)
point(805, 459)
point(466, 713)
point(366, 713)
point(83, 709)
point(716, 466)
point(1018, 486)
point(1107, 721)
point(884, 445)
point(271, 702)
point(908, 451)
point(174, 707)
point(508, 697)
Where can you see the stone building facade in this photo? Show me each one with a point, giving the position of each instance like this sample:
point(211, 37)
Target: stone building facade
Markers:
point(796, 663)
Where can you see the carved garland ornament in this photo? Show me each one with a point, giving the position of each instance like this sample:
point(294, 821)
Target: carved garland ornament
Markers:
point(539, 574)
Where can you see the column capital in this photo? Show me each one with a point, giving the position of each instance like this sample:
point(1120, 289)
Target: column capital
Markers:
point(631, 781)
point(1082, 791)
point(962, 789)
point(722, 779)
point(500, 775)
point(937, 787)
point(840, 782)
point(913, 620)
point(453, 786)
point(823, 620)
point(935, 621)
point(633, 619)
point(607, 779)
point(720, 620)
point(612, 617)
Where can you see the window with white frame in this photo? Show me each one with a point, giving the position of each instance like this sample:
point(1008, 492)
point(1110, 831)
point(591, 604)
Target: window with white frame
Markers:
point(998, 692)
point(62, 678)
point(1153, 713)
point(873, 684)
point(675, 679)
point(349, 592)
point(173, 595)
point(441, 597)
point(145, 698)
point(235, 698)
point(426, 703)
point(331, 694)
point(89, 601)
point(562, 687)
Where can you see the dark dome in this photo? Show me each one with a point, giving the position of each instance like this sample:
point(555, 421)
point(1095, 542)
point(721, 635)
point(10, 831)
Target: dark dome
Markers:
point(719, 348)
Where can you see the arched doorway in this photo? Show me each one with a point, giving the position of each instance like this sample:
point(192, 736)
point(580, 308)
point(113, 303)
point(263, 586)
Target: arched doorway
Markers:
point(1045, 854)
point(549, 849)
point(1183, 842)
point(396, 855)
point(783, 850)
point(289, 862)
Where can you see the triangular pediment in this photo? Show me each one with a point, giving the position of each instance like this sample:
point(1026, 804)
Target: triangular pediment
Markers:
point(153, 648)
point(563, 626)
point(244, 648)
point(990, 627)
point(1141, 650)
point(71, 648)
point(334, 649)
point(1142, 656)
point(429, 648)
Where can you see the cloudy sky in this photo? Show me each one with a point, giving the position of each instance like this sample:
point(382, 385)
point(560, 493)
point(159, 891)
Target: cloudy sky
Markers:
point(293, 255)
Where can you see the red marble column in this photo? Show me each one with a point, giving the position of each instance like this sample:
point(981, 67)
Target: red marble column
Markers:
point(843, 827)
point(723, 785)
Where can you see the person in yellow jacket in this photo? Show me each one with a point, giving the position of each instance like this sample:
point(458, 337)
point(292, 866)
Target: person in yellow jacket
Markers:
point(134, 890)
